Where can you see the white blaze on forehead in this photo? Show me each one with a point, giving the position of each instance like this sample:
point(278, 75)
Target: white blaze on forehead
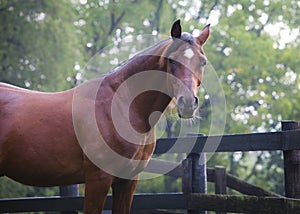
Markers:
point(189, 53)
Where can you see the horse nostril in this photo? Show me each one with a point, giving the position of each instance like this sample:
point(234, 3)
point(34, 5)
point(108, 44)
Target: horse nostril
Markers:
point(180, 101)
point(196, 101)
point(187, 103)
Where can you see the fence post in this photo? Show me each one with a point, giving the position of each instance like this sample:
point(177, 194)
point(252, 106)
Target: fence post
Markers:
point(68, 191)
point(291, 165)
point(194, 177)
point(220, 179)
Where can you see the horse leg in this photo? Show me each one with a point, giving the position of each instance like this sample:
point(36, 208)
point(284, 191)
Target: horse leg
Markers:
point(123, 191)
point(97, 187)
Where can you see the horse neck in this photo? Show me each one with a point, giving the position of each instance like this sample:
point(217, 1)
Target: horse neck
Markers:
point(147, 70)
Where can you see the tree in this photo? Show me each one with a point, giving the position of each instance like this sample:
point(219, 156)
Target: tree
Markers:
point(260, 78)
point(102, 23)
point(39, 45)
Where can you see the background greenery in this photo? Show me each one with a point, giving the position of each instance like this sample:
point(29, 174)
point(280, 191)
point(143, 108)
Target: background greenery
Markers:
point(254, 48)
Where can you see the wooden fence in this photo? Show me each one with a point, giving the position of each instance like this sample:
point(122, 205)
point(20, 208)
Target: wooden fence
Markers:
point(194, 177)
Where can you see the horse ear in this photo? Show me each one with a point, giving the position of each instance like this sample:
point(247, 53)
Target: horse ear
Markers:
point(201, 39)
point(176, 30)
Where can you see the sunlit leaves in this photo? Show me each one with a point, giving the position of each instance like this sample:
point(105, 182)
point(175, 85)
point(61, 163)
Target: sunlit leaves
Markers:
point(38, 43)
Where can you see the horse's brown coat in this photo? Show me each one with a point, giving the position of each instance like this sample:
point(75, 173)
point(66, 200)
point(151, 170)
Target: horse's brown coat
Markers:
point(38, 144)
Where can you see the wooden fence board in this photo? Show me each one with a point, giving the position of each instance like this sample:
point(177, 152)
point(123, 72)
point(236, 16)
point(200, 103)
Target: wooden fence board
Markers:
point(164, 167)
point(140, 201)
point(283, 140)
point(244, 187)
point(233, 182)
point(36, 204)
point(244, 204)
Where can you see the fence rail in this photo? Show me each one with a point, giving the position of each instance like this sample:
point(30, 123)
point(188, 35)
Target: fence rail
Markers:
point(36, 204)
point(220, 203)
point(243, 204)
point(287, 141)
point(269, 141)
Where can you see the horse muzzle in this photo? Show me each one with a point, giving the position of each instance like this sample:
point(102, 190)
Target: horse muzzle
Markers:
point(186, 106)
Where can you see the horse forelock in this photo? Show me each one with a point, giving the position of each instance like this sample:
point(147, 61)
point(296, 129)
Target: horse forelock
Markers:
point(187, 37)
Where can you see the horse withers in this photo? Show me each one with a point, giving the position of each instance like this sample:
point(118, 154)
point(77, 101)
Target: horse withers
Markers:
point(100, 133)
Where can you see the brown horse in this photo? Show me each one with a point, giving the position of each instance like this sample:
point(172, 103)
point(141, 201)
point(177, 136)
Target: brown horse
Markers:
point(41, 141)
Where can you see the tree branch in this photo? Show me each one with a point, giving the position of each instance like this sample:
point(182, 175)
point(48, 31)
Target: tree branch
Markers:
point(201, 12)
point(114, 22)
point(7, 6)
point(258, 31)
point(253, 170)
point(212, 8)
point(157, 14)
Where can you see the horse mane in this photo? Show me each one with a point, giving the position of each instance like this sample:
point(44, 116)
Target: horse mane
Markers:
point(170, 47)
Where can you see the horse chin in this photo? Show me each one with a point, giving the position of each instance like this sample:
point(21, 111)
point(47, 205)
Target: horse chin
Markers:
point(185, 115)
point(192, 119)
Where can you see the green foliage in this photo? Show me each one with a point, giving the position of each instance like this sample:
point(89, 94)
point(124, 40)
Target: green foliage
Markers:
point(102, 23)
point(260, 83)
point(39, 45)
point(12, 189)
point(159, 184)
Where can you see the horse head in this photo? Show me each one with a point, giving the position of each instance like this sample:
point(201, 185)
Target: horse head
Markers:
point(186, 61)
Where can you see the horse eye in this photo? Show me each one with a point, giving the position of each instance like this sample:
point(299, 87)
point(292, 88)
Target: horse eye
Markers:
point(171, 61)
point(172, 65)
